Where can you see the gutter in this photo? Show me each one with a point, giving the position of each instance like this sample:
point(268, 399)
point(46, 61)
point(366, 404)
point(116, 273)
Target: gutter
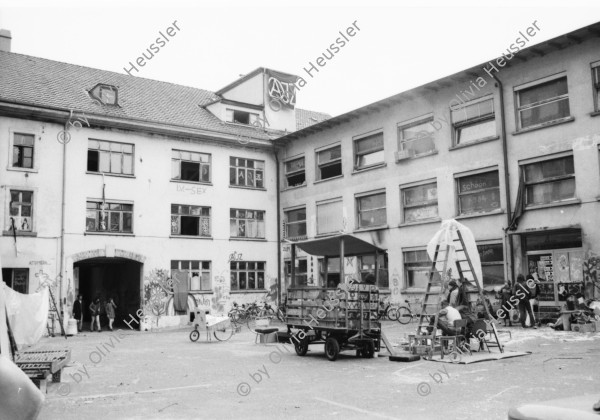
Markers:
point(62, 218)
point(279, 277)
point(506, 176)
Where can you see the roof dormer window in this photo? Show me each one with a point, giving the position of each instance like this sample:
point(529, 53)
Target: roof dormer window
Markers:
point(241, 117)
point(105, 94)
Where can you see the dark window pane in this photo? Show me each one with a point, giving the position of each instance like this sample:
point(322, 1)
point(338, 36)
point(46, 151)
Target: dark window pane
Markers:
point(189, 225)
point(190, 171)
point(331, 171)
point(93, 159)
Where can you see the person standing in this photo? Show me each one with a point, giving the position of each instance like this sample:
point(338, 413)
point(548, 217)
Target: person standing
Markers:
point(534, 288)
point(95, 311)
point(505, 294)
point(110, 312)
point(78, 312)
point(523, 294)
point(452, 293)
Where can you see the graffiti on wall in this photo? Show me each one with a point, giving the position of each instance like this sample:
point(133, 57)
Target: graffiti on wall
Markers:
point(157, 291)
point(591, 272)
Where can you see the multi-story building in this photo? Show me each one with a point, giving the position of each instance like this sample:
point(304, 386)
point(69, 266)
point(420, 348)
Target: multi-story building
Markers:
point(516, 136)
point(107, 178)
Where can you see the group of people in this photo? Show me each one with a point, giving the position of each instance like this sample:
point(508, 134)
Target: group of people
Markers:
point(525, 293)
point(96, 308)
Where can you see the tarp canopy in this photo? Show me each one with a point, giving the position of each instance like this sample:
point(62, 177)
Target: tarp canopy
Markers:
point(447, 237)
point(330, 246)
point(27, 314)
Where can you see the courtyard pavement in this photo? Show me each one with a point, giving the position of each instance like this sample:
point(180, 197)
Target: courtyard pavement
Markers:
point(163, 375)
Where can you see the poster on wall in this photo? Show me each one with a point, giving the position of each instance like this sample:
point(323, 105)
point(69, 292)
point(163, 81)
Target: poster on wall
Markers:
point(541, 265)
point(576, 266)
point(567, 289)
point(546, 292)
point(561, 266)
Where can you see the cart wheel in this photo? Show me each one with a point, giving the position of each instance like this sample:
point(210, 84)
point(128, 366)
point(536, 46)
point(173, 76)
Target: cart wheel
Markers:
point(194, 335)
point(369, 350)
point(223, 333)
point(301, 347)
point(332, 348)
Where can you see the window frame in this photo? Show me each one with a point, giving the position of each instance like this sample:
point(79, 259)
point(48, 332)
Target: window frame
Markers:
point(422, 266)
point(325, 202)
point(595, 67)
point(8, 216)
point(108, 216)
point(200, 163)
point(297, 172)
point(409, 153)
point(237, 271)
point(327, 164)
point(358, 155)
point(427, 203)
point(10, 282)
point(384, 283)
point(253, 117)
point(110, 152)
point(286, 223)
point(11, 145)
point(457, 127)
point(537, 161)
point(246, 219)
point(358, 197)
point(324, 274)
point(458, 177)
point(200, 217)
point(190, 270)
point(287, 267)
point(537, 83)
point(491, 264)
point(246, 170)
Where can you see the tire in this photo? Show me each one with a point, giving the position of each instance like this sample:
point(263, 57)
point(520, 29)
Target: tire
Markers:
point(301, 347)
point(194, 335)
point(392, 314)
point(235, 316)
point(369, 350)
point(223, 333)
point(379, 314)
point(404, 315)
point(332, 348)
point(251, 323)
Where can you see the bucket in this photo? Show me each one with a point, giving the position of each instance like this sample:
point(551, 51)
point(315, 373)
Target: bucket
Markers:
point(19, 397)
point(72, 327)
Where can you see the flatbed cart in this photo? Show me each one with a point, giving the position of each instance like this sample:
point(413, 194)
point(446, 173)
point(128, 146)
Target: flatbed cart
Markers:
point(342, 318)
point(40, 364)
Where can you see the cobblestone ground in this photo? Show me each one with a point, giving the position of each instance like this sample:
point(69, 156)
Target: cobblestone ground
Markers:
point(165, 376)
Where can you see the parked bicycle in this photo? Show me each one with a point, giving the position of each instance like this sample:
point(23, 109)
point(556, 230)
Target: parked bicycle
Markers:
point(387, 311)
point(405, 314)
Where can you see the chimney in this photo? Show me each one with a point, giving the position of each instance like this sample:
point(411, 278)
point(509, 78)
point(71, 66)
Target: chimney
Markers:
point(5, 39)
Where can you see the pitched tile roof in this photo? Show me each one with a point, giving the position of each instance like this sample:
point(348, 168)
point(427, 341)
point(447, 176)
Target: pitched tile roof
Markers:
point(305, 118)
point(52, 84)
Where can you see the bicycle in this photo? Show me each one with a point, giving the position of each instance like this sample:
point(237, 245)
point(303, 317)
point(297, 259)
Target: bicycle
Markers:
point(405, 314)
point(390, 312)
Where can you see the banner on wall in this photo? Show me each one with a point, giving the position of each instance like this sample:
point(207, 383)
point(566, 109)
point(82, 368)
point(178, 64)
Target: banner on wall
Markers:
point(281, 88)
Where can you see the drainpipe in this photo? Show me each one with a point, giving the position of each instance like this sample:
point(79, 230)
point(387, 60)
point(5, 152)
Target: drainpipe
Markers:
point(506, 177)
point(62, 213)
point(279, 277)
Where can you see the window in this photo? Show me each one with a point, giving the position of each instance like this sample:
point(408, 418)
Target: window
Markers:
point(329, 163)
point(543, 103)
point(108, 217)
point(478, 193)
point(295, 223)
point(330, 218)
point(17, 279)
point(198, 274)
point(492, 264)
point(371, 210)
point(416, 138)
point(247, 223)
point(23, 150)
point(301, 273)
point(246, 172)
point(110, 157)
point(190, 166)
point(474, 121)
point(366, 264)
point(417, 266)
point(368, 151)
point(333, 272)
point(105, 94)
point(20, 211)
point(419, 202)
point(247, 275)
point(190, 220)
point(294, 172)
point(596, 83)
point(549, 181)
point(241, 117)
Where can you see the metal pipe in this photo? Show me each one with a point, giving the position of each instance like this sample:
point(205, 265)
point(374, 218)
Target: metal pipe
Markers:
point(62, 215)
point(506, 174)
point(280, 278)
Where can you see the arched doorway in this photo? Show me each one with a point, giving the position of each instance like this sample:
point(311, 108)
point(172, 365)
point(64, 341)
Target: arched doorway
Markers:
point(106, 277)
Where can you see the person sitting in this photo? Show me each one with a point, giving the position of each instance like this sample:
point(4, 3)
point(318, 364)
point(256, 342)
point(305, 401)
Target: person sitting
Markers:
point(446, 318)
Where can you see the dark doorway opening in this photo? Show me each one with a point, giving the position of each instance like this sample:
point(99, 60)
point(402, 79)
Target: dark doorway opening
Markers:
point(104, 278)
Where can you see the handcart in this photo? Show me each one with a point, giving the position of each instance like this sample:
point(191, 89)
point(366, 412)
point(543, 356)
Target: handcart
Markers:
point(40, 364)
point(219, 326)
point(342, 318)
